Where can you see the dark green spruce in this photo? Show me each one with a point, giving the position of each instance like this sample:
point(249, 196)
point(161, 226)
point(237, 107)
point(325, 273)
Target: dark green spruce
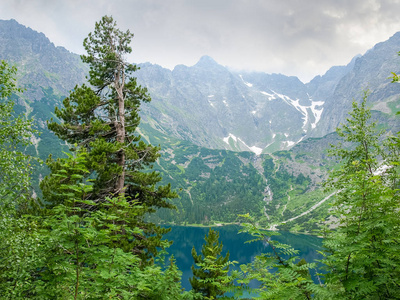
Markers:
point(210, 270)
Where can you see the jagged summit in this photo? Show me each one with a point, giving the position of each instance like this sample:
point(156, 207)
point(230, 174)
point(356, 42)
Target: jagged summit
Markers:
point(17, 40)
point(40, 63)
point(215, 107)
point(206, 60)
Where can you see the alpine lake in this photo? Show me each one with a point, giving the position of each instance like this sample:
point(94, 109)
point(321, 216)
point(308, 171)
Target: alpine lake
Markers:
point(184, 238)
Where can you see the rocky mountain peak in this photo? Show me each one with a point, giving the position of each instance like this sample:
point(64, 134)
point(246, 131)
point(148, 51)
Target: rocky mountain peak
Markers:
point(206, 61)
point(215, 107)
point(41, 65)
point(17, 38)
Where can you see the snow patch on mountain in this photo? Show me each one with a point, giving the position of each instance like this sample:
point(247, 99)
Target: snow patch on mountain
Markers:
point(382, 169)
point(316, 112)
point(302, 138)
point(302, 109)
point(255, 149)
point(246, 83)
point(230, 136)
point(315, 107)
point(270, 96)
point(296, 104)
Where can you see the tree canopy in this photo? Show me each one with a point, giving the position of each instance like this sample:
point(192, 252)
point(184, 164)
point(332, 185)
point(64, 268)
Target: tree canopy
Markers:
point(90, 238)
point(15, 135)
point(362, 253)
point(102, 118)
point(210, 270)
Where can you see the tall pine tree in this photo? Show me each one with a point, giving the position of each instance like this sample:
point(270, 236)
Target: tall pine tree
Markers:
point(102, 118)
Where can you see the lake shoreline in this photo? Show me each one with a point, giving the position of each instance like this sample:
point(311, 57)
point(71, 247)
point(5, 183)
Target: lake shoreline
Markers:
point(222, 224)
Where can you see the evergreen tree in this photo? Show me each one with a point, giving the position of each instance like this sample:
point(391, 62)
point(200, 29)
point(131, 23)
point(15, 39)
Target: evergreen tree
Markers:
point(170, 287)
point(83, 258)
point(210, 269)
point(103, 118)
point(362, 254)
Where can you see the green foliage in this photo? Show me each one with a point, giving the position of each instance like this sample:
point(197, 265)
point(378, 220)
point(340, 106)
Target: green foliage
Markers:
point(210, 270)
point(283, 154)
point(103, 118)
point(362, 254)
point(287, 189)
point(15, 134)
point(268, 165)
point(85, 258)
point(281, 274)
point(309, 222)
point(19, 252)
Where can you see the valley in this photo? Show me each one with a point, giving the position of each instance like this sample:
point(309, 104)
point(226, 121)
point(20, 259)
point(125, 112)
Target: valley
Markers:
point(231, 142)
point(112, 173)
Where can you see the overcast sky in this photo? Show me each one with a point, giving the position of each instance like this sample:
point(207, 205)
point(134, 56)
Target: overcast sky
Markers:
point(303, 38)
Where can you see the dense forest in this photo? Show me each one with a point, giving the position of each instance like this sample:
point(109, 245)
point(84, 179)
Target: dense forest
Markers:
point(92, 234)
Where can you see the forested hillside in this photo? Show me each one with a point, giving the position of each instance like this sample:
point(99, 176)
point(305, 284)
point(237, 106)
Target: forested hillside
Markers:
point(183, 119)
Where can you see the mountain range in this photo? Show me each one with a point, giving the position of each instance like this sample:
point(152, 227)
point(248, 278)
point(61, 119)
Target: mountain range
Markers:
point(214, 107)
point(224, 134)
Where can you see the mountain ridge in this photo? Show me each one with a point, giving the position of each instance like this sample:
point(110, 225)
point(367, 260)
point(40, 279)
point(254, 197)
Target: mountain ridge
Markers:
point(38, 60)
point(224, 134)
point(212, 106)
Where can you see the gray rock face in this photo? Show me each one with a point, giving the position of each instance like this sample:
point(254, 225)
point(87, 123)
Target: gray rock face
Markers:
point(321, 86)
point(371, 72)
point(40, 64)
point(214, 107)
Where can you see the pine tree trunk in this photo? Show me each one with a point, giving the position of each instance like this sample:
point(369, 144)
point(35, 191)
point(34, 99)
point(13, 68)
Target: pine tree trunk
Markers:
point(119, 86)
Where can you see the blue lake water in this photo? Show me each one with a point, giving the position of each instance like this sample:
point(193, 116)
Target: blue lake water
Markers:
point(186, 237)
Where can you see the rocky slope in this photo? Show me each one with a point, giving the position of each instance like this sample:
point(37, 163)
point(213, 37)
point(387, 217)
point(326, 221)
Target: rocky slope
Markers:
point(200, 113)
point(40, 64)
point(371, 72)
point(214, 107)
